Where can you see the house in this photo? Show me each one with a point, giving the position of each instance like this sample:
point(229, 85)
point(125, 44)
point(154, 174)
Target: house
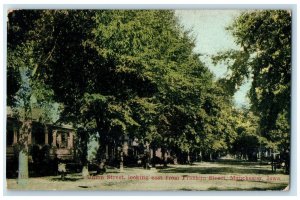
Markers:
point(48, 142)
point(59, 140)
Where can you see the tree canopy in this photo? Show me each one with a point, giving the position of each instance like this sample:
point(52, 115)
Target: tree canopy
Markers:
point(265, 60)
point(134, 72)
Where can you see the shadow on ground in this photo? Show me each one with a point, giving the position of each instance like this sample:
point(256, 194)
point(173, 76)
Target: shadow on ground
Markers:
point(72, 179)
point(215, 170)
point(240, 162)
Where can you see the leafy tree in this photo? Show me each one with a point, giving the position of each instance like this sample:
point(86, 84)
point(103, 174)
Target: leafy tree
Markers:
point(248, 140)
point(265, 58)
point(31, 96)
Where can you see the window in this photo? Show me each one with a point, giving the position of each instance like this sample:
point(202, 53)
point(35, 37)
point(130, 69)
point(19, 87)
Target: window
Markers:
point(9, 137)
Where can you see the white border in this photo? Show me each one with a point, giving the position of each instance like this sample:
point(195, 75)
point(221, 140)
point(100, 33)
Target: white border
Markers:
point(155, 4)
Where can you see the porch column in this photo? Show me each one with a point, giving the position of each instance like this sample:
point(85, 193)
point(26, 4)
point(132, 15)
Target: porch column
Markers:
point(59, 139)
point(54, 132)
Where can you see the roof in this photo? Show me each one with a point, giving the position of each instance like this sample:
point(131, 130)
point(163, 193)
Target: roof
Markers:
point(36, 113)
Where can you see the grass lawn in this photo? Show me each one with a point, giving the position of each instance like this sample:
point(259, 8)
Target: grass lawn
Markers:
point(199, 176)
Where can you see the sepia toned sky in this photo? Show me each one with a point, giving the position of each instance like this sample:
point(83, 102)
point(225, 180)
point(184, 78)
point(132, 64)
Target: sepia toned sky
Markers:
point(208, 27)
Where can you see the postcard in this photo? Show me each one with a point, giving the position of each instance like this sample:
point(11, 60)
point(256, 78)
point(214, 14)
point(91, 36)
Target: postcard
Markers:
point(148, 100)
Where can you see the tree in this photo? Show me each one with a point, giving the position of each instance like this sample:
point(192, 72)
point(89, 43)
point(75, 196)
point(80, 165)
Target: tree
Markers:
point(264, 58)
point(27, 93)
point(31, 96)
point(248, 139)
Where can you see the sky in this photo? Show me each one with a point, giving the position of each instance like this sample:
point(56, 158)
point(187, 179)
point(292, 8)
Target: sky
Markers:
point(208, 27)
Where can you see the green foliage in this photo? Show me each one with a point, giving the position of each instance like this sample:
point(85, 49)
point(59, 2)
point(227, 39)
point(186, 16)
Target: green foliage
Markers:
point(248, 139)
point(134, 72)
point(265, 58)
point(28, 95)
point(33, 98)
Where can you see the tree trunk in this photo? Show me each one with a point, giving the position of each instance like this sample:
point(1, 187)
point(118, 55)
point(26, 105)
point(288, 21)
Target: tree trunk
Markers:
point(147, 156)
point(188, 158)
point(23, 167)
point(200, 155)
point(121, 161)
point(106, 152)
point(163, 150)
point(85, 170)
point(153, 157)
point(83, 145)
point(23, 152)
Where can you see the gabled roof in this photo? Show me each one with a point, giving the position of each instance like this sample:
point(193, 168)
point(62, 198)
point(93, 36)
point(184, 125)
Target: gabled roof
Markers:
point(35, 118)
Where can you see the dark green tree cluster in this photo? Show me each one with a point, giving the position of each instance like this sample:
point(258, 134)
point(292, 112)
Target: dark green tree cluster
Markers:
point(265, 60)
